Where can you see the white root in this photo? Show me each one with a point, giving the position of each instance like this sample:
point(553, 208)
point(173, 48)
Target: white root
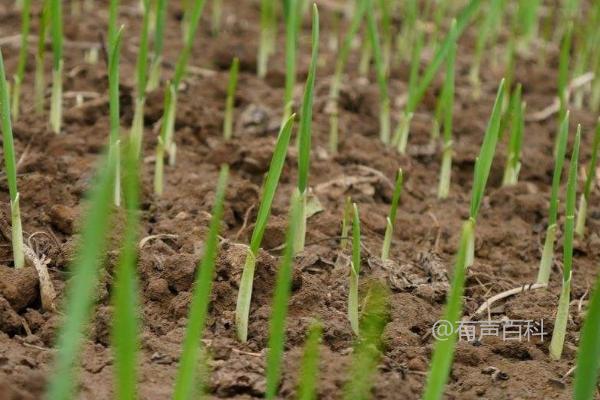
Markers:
point(521, 289)
point(553, 108)
point(159, 236)
point(47, 292)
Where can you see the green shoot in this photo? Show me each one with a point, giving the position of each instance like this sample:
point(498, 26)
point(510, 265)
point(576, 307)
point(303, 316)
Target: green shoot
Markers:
point(10, 167)
point(486, 32)
point(268, 30)
point(389, 228)
point(113, 16)
point(509, 73)
point(57, 69)
point(16, 92)
point(443, 351)
point(137, 126)
point(562, 314)
point(162, 139)
point(81, 290)
point(126, 325)
point(588, 356)
point(401, 134)
point(305, 130)
point(483, 164)
point(563, 70)
point(417, 88)
point(180, 68)
point(528, 20)
point(280, 301)
point(354, 272)
point(157, 45)
point(229, 102)
point(217, 11)
point(447, 108)
point(417, 91)
point(346, 218)
point(366, 53)
point(559, 158)
point(367, 348)
point(586, 57)
point(291, 41)
point(386, 33)
point(190, 353)
point(384, 99)
point(309, 368)
point(513, 160)
point(242, 310)
point(115, 121)
point(40, 78)
point(406, 38)
point(336, 82)
point(589, 181)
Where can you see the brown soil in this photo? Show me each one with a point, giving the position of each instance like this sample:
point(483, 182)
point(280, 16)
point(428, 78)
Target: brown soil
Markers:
point(55, 172)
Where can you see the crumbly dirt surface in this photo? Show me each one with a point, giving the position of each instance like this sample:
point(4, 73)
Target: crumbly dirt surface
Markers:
point(55, 171)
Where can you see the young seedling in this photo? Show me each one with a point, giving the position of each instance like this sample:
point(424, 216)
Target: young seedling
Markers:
point(126, 325)
point(230, 102)
point(115, 120)
point(562, 314)
point(217, 11)
point(291, 42)
point(366, 54)
point(185, 382)
point(161, 145)
point(563, 72)
point(487, 31)
point(589, 182)
point(354, 272)
point(367, 348)
point(483, 164)
point(447, 109)
point(386, 32)
point(10, 167)
point(384, 99)
point(346, 218)
point(305, 131)
point(559, 158)
point(336, 81)
point(586, 56)
point(57, 67)
point(443, 351)
point(40, 55)
point(517, 125)
point(280, 301)
point(195, 11)
point(137, 125)
point(588, 355)
point(81, 291)
point(18, 78)
point(407, 36)
point(268, 30)
point(417, 88)
point(391, 218)
point(528, 20)
point(309, 368)
point(242, 310)
point(160, 12)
